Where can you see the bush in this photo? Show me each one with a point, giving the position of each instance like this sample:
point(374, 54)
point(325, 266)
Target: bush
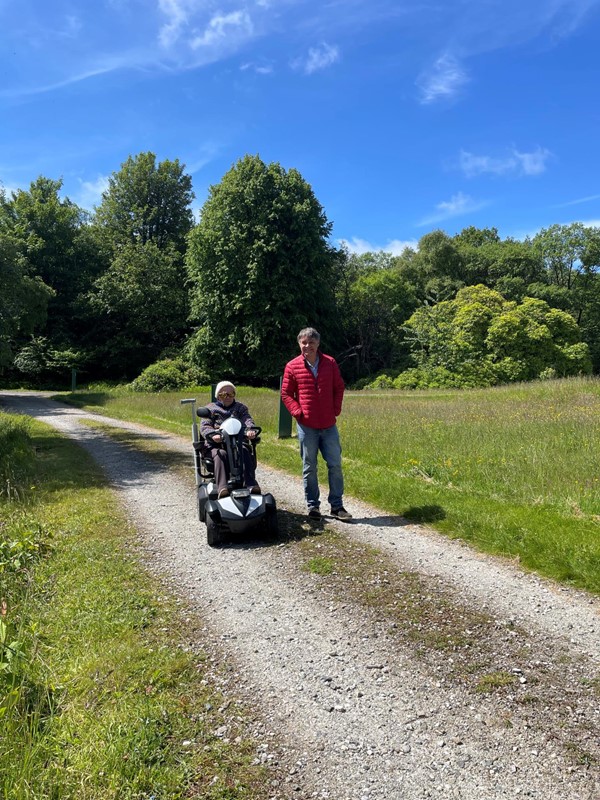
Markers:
point(168, 374)
point(381, 382)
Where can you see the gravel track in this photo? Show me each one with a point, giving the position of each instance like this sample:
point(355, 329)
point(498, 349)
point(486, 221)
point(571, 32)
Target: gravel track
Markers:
point(349, 711)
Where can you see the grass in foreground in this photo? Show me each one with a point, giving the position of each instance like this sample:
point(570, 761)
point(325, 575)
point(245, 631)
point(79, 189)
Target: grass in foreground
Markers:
point(99, 695)
point(513, 470)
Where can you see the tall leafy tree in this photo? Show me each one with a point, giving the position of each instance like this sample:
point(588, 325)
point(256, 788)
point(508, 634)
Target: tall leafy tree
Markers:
point(139, 305)
point(377, 304)
point(261, 267)
point(147, 201)
point(571, 256)
point(562, 248)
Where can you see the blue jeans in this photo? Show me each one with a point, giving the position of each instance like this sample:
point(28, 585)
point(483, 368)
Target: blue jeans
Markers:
point(326, 440)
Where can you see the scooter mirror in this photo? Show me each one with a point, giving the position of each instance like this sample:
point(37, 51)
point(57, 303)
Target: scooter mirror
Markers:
point(204, 412)
point(232, 426)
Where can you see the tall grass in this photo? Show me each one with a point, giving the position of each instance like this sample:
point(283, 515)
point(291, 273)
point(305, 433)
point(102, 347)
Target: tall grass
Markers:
point(512, 469)
point(100, 695)
point(16, 454)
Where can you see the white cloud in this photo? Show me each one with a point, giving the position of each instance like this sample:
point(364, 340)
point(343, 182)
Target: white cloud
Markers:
point(515, 163)
point(90, 192)
point(221, 27)
point(318, 58)
point(260, 69)
point(458, 205)
point(176, 11)
point(394, 246)
point(443, 81)
point(533, 163)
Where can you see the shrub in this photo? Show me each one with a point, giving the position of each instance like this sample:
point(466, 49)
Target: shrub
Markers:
point(381, 382)
point(168, 374)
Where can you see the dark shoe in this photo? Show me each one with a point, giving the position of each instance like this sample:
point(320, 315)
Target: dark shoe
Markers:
point(314, 513)
point(341, 513)
point(255, 489)
point(223, 493)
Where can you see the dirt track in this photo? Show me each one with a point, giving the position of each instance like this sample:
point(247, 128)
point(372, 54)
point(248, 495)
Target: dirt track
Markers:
point(347, 705)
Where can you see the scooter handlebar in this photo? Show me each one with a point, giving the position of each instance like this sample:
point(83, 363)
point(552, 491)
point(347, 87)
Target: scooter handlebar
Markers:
point(209, 436)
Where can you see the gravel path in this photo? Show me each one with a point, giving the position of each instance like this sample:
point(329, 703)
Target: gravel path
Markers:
point(350, 711)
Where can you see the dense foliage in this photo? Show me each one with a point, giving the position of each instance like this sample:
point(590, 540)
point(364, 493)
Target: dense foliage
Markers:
point(261, 268)
point(136, 282)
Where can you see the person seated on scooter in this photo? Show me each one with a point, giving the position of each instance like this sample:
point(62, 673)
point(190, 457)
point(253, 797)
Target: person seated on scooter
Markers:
point(227, 406)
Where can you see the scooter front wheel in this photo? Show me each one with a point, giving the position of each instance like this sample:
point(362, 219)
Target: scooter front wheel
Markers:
point(214, 537)
point(271, 522)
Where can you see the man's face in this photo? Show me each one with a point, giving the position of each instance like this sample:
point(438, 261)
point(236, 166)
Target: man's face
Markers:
point(308, 348)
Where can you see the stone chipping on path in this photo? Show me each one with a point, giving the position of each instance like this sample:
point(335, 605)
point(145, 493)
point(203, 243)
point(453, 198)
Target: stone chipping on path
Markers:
point(347, 709)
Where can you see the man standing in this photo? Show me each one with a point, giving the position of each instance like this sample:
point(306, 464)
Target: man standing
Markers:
point(312, 391)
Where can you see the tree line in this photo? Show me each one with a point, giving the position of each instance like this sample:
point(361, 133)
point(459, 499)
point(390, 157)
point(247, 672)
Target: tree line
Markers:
point(139, 291)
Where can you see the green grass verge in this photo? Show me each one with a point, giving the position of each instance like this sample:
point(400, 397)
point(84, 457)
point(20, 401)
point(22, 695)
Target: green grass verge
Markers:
point(100, 694)
point(512, 470)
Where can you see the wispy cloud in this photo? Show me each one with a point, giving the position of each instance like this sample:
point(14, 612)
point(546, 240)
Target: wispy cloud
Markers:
point(443, 80)
point(222, 27)
point(318, 58)
point(205, 155)
point(359, 246)
point(458, 205)
point(260, 69)
point(514, 163)
point(90, 192)
point(68, 81)
point(579, 201)
point(177, 14)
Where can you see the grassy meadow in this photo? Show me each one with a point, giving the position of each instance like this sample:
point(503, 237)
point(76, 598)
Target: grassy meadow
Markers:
point(101, 696)
point(513, 470)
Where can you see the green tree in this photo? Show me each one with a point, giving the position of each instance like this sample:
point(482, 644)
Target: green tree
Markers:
point(495, 262)
point(147, 202)
point(479, 338)
point(571, 256)
point(23, 296)
point(378, 302)
point(139, 305)
point(54, 249)
point(562, 248)
point(261, 268)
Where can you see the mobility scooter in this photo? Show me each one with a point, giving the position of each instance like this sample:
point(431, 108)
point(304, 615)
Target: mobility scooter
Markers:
point(241, 512)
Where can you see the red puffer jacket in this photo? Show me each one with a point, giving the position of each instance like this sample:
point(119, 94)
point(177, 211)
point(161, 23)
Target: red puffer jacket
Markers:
point(314, 403)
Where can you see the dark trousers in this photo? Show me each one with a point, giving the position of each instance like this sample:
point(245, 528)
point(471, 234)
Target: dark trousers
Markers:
point(219, 456)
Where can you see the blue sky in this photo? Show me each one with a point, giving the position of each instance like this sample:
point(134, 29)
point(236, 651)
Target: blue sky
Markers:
point(403, 115)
